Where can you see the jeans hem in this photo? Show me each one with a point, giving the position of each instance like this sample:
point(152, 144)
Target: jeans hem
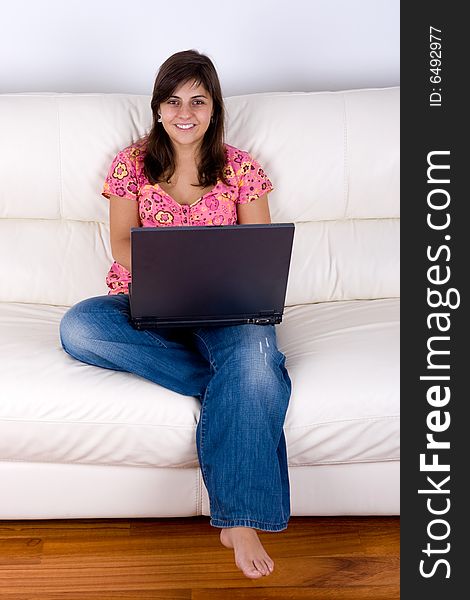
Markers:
point(261, 525)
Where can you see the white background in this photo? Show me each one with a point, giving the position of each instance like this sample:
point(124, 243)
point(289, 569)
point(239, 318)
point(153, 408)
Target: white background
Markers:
point(256, 45)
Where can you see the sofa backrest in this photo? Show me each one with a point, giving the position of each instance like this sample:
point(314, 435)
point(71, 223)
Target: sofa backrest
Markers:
point(333, 158)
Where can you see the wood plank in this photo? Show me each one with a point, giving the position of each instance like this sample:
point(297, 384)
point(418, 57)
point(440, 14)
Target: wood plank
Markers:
point(98, 595)
point(155, 574)
point(52, 528)
point(20, 551)
point(381, 538)
point(292, 593)
point(324, 536)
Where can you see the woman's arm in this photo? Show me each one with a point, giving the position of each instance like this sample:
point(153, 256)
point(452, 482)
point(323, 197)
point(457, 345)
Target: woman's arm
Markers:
point(123, 214)
point(256, 211)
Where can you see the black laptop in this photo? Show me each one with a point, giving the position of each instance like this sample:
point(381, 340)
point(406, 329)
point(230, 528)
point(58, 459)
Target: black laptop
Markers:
point(209, 275)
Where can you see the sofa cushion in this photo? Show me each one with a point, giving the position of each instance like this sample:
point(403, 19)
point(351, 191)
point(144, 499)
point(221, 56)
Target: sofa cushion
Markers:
point(341, 356)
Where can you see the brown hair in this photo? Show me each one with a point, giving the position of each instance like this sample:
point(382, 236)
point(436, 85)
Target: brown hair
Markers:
point(159, 161)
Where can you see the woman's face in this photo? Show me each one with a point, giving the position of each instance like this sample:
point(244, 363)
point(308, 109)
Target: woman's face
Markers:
point(186, 115)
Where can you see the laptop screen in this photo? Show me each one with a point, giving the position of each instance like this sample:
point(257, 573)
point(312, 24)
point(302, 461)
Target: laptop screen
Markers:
point(199, 272)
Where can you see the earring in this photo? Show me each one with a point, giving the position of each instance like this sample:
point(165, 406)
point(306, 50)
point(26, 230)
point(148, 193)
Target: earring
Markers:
point(159, 120)
point(212, 118)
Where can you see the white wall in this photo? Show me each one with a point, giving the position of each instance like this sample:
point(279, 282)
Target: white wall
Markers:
point(256, 45)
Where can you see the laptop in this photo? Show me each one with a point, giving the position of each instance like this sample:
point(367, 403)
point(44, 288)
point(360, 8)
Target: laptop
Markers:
point(193, 276)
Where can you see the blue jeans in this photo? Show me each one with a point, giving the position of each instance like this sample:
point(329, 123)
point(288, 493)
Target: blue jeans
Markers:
point(238, 374)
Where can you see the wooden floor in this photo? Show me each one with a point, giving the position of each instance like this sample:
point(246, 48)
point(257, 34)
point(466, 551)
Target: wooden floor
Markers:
point(182, 559)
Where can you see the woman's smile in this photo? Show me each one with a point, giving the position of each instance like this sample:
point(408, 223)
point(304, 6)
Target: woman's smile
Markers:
point(185, 126)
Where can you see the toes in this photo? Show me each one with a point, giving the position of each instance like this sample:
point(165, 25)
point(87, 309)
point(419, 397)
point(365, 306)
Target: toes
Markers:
point(269, 567)
point(261, 566)
point(249, 569)
point(252, 572)
point(265, 565)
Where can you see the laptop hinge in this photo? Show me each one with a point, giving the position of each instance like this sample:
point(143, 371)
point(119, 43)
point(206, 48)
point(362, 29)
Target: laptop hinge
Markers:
point(266, 313)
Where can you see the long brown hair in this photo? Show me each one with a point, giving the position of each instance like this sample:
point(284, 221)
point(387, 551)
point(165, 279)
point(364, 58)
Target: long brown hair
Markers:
point(159, 161)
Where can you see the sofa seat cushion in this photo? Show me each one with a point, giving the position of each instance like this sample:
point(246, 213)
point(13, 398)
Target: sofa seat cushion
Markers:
point(342, 358)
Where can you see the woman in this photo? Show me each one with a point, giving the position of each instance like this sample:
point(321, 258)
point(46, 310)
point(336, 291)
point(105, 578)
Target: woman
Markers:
point(182, 173)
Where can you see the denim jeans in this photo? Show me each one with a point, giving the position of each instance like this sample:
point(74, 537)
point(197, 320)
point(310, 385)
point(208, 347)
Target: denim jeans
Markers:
point(238, 374)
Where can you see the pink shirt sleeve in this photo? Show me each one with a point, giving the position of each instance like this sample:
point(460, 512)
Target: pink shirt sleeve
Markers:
point(252, 180)
point(121, 179)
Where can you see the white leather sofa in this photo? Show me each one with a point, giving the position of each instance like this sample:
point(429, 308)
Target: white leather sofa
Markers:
point(77, 441)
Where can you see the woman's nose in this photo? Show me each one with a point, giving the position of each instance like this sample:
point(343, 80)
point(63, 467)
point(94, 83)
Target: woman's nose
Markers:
point(185, 111)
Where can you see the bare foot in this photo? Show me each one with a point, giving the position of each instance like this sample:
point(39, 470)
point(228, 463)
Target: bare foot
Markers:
point(250, 556)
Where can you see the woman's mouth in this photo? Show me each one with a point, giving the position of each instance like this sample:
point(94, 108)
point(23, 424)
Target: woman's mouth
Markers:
point(185, 125)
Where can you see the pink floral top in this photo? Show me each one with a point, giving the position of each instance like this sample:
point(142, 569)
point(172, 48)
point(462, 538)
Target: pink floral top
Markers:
point(125, 178)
